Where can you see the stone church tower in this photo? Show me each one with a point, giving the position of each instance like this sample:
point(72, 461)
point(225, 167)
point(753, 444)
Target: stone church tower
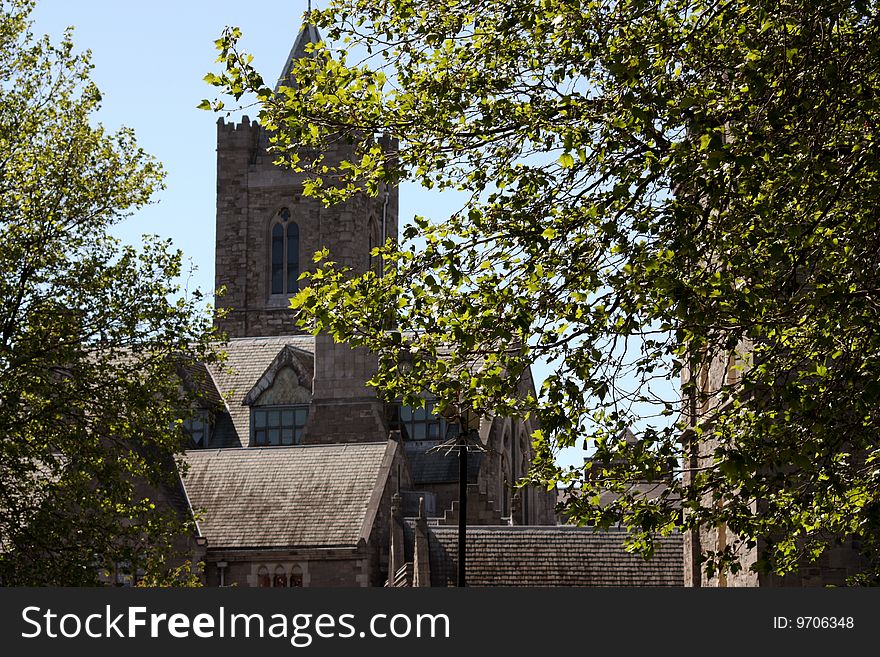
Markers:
point(267, 231)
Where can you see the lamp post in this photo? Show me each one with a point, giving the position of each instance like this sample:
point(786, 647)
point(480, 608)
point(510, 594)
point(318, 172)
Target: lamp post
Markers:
point(461, 438)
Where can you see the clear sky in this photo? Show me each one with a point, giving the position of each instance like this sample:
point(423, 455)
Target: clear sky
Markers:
point(149, 60)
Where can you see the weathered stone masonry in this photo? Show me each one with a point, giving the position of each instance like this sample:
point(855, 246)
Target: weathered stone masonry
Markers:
point(251, 191)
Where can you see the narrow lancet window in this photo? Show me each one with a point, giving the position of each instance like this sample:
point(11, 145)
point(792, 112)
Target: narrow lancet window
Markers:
point(284, 254)
point(278, 259)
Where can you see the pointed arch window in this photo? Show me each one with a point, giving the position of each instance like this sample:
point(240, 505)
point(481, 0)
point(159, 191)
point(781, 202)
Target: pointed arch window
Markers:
point(280, 579)
point(284, 254)
point(296, 577)
point(263, 580)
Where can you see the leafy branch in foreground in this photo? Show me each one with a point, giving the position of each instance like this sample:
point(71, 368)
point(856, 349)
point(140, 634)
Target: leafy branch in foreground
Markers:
point(674, 202)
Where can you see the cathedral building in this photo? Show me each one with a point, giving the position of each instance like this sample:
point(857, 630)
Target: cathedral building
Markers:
point(301, 475)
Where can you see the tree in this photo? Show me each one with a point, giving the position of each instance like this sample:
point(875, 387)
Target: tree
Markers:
point(94, 336)
point(674, 202)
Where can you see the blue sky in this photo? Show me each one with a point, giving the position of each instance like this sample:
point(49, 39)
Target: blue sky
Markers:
point(149, 60)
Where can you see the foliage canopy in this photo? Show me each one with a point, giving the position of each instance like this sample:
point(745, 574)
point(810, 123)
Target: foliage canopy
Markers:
point(674, 202)
point(92, 334)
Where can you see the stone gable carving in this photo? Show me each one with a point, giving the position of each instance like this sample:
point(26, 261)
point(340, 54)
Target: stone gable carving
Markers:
point(287, 380)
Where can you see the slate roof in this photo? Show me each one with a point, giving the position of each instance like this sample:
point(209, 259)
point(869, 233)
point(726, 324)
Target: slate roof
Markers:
point(540, 556)
point(247, 360)
point(198, 378)
point(280, 497)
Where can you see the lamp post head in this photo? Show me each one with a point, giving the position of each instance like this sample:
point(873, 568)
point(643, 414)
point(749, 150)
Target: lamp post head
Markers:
point(405, 362)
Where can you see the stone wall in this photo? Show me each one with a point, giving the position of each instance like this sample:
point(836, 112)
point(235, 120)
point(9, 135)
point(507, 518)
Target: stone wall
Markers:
point(251, 191)
point(380, 535)
point(326, 568)
point(344, 409)
point(833, 567)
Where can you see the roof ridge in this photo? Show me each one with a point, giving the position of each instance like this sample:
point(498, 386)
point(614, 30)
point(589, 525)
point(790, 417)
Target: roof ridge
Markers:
point(276, 338)
point(376, 443)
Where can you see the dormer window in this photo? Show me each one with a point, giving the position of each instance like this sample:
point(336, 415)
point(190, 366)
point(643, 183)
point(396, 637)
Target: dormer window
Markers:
point(278, 425)
point(284, 255)
point(198, 428)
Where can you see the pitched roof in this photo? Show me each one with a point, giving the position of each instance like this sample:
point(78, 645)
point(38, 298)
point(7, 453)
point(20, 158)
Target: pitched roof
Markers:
point(246, 362)
point(316, 495)
point(541, 556)
point(198, 378)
